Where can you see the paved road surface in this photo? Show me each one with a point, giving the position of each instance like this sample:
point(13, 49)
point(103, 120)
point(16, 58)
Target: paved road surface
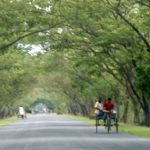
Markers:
point(52, 132)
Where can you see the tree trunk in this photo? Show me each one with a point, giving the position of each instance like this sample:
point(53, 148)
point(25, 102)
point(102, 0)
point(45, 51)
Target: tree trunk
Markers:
point(84, 110)
point(72, 109)
point(136, 115)
point(147, 115)
point(125, 112)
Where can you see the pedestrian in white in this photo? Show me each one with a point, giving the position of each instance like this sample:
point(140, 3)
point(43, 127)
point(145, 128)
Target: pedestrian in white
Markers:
point(22, 112)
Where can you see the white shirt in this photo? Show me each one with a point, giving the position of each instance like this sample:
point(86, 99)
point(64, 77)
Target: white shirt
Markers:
point(99, 106)
point(21, 111)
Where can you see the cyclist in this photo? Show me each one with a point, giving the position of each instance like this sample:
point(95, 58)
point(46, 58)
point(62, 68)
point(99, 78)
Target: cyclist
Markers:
point(108, 105)
point(108, 108)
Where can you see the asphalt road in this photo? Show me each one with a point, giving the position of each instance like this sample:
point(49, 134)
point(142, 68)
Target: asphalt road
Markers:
point(53, 132)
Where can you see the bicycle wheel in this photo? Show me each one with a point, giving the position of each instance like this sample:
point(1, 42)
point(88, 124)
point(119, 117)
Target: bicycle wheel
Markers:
point(116, 124)
point(96, 124)
point(108, 123)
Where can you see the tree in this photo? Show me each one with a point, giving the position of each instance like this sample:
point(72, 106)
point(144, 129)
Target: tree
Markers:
point(110, 40)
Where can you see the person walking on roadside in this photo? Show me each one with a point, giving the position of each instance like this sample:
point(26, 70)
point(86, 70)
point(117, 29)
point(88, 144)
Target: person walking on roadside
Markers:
point(22, 112)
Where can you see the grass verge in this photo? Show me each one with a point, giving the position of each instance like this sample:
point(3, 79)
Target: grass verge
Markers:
point(126, 128)
point(139, 131)
point(7, 121)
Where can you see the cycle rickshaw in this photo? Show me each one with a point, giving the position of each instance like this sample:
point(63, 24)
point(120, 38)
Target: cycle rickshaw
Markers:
point(109, 119)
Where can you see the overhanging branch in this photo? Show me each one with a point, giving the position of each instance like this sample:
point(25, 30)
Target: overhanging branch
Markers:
point(135, 29)
point(5, 46)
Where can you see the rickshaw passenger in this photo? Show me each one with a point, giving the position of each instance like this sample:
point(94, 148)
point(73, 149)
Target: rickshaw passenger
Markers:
point(99, 108)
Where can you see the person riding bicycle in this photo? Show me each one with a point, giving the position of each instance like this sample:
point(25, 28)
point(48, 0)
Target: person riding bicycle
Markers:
point(108, 105)
point(109, 108)
point(109, 116)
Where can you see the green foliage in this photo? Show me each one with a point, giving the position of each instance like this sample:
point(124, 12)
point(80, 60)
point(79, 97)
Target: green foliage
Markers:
point(143, 72)
point(7, 121)
point(14, 78)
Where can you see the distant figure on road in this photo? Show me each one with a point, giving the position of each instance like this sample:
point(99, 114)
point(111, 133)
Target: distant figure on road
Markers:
point(21, 112)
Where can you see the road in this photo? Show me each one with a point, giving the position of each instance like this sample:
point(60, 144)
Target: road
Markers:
point(53, 132)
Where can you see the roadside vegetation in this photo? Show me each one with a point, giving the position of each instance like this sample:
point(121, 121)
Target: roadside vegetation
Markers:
point(7, 121)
